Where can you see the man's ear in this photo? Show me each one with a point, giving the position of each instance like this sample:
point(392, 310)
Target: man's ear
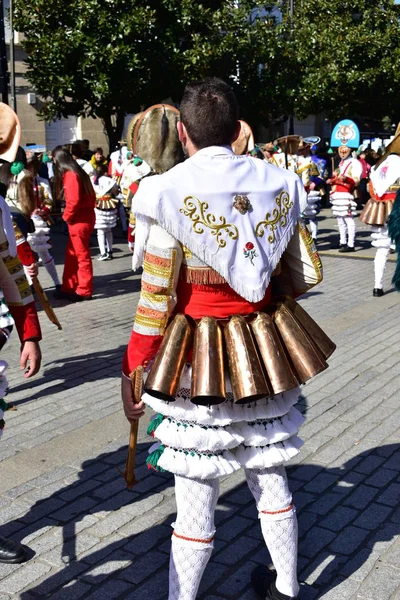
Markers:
point(182, 133)
point(237, 132)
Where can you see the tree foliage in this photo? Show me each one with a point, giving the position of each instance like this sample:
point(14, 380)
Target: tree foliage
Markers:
point(106, 58)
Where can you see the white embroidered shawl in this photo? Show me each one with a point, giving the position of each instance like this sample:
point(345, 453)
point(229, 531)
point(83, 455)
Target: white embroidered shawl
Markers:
point(195, 202)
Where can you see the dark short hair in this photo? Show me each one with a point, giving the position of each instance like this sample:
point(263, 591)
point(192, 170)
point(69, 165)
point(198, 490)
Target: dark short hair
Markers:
point(209, 112)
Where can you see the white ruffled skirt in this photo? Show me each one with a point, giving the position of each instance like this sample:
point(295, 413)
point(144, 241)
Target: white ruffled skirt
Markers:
point(380, 238)
point(313, 205)
point(39, 240)
point(343, 204)
point(208, 442)
point(105, 219)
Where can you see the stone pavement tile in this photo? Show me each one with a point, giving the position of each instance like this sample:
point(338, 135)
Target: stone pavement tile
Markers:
point(305, 472)
point(214, 572)
point(142, 567)
point(325, 503)
point(392, 556)
point(156, 588)
point(113, 565)
point(234, 585)
point(388, 449)
point(225, 512)
point(373, 516)
point(306, 521)
point(302, 499)
point(361, 496)
point(57, 579)
point(350, 481)
point(349, 540)
point(79, 489)
point(320, 483)
point(232, 528)
point(391, 495)
point(343, 589)
point(242, 496)
point(380, 583)
point(236, 551)
point(308, 593)
point(24, 577)
point(111, 589)
point(100, 551)
point(369, 464)
point(339, 518)
point(73, 510)
point(69, 550)
point(360, 565)
point(314, 541)
point(147, 540)
point(74, 590)
point(323, 569)
point(393, 462)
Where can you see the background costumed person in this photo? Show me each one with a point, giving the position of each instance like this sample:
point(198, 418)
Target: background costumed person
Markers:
point(313, 184)
point(39, 240)
point(106, 211)
point(383, 186)
point(344, 206)
point(16, 303)
point(208, 250)
point(80, 198)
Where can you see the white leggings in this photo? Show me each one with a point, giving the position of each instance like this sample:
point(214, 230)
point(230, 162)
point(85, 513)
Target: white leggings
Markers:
point(347, 230)
point(105, 240)
point(380, 260)
point(194, 529)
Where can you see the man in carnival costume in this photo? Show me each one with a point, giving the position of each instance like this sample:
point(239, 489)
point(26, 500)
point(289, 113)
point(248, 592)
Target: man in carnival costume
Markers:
point(17, 306)
point(344, 205)
point(313, 184)
point(209, 248)
point(383, 186)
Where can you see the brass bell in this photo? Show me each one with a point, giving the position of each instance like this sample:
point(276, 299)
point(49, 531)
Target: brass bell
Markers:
point(276, 363)
point(307, 359)
point(246, 373)
point(165, 374)
point(208, 378)
point(314, 331)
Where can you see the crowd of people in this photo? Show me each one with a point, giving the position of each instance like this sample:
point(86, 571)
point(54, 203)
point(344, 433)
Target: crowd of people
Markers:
point(225, 252)
point(352, 182)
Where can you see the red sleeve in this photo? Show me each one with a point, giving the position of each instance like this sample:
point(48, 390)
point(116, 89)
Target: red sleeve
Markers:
point(131, 234)
point(25, 254)
point(71, 185)
point(26, 322)
point(140, 351)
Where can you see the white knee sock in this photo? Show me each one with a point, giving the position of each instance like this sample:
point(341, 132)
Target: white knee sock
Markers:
point(101, 239)
point(342, 229)
point(313, 228)
point(278, 523)
point(49, 264)
point(351, 231)
point(192, 540)
point(380, 260)
point(109, 240)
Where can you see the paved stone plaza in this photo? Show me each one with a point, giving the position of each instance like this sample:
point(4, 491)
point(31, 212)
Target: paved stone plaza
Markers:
point(62, 495)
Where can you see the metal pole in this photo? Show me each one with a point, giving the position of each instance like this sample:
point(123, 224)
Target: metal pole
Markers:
point(12, 60)
point(291, 10)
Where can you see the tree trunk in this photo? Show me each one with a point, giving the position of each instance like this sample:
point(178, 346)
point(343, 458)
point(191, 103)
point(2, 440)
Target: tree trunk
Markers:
point(114, 128)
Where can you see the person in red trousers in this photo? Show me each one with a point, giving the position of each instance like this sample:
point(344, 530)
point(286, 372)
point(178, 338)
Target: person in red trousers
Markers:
point(80, 198)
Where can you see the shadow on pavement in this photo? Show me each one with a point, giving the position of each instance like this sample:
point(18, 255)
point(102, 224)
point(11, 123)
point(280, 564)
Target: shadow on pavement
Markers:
point(343, 513)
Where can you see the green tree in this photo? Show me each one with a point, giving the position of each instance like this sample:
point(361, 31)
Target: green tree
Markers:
point(106, 58)
point(348, 56)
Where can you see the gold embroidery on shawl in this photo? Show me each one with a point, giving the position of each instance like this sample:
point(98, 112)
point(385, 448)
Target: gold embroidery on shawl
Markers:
point(196, 211)
point(279, 215)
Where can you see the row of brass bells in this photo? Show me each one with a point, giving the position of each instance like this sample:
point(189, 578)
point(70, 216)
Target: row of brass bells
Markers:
point(265, 357)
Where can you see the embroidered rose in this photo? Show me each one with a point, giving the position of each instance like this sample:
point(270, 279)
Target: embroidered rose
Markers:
point(249, 252)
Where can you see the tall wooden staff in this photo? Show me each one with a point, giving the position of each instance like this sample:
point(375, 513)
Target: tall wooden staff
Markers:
point(137, 389)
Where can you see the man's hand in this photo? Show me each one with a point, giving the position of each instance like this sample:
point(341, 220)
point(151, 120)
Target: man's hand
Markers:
point(32, 269)
point(31, 358)
point(132, 411)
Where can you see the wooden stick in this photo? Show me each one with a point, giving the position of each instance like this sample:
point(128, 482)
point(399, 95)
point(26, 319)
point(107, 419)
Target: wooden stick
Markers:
point(137, 388)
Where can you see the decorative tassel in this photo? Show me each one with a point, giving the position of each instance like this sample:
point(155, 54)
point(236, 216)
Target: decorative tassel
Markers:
point(154, 457)
point(394, 232)
point(158, 419)
point(200, 276)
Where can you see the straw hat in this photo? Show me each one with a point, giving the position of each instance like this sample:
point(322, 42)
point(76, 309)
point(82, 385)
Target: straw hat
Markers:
point(10, 133)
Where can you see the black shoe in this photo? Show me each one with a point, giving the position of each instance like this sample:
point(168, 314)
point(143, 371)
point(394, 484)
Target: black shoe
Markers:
point(12, 552)
point(263, 582)
point(78, 298)
point(60, 295)
point(346, 248)
point(377, 292)
point(110, 255)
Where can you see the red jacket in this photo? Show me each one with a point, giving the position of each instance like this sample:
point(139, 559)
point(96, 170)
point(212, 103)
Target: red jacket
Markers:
point(79, 204)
